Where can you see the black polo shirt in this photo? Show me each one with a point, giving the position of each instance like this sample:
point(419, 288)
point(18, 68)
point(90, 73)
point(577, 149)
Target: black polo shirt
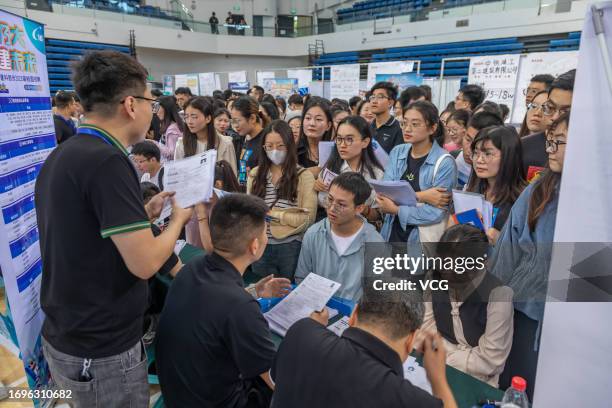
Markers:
point(87, 190)
point(212, 338)
point(316, 368)
point(534, 151)
point(388, 135)
point(63, 128)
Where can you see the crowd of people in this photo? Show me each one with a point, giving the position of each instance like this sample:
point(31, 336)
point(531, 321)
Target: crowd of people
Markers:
point(280, 213)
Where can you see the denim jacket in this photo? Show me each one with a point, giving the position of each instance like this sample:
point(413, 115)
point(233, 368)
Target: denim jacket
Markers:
point(424, 214)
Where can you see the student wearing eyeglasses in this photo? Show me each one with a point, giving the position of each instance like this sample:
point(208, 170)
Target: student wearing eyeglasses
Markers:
point(522, 256)
point(386, 129)
point(535, 121)
point(498, 172)
point(353, 152)
point(559, 102)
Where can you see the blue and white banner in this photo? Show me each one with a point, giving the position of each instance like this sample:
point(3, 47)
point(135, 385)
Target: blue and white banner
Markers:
point(27, 136)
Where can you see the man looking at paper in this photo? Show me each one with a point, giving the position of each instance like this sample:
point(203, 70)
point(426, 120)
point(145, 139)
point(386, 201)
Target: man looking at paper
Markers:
point(213, 343)
point(334, 247)
point(362, 368)
point(96, 242)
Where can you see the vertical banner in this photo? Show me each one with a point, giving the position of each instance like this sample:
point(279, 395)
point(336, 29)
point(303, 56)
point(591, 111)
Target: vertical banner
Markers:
point(27, 136)
point(304, 77)
point(344, 81)
point(497, 74)
point(218, 81)
point(394, 67)
point(207, 83)
point(262, 76)
point(553, 63)
point(237, 76)
point(168, 84)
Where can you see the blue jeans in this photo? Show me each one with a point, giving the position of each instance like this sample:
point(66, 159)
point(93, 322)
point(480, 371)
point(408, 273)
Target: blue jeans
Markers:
point(116, 381)
point(279, 259)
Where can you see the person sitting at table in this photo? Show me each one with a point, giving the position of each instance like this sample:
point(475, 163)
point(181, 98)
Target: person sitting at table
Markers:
point(475, 316)
point(213, 344)
point(334, 247)
point(363, 367)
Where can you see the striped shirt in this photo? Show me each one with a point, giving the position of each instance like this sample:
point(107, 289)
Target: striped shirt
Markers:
point(272, 200)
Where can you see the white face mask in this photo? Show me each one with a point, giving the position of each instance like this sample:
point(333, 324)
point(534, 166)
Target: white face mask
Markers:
point(277, 156)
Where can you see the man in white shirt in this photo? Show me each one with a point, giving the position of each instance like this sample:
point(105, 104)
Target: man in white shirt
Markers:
point(334, 247)
point(147, 156)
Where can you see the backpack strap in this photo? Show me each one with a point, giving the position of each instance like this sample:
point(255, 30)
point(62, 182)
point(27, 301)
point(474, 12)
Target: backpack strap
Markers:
point(437, 166)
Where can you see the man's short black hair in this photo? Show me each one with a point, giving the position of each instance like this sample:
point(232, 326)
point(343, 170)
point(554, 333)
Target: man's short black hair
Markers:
point(411, 94)
point(295, 99)
point(389, 87)
point(103, 78)
point(485, 119)
point(63, 99)
point(564, 82)
point(474, 94)
point(354, 101)
point(157, 93)
point(235, 221)
point(148, 191)
point(397, 312)
point(354, 183)
point(146, 149)
point(258, 89)
point(543, 79)
point(490, 106)
point(427, 90)
point(183, 90)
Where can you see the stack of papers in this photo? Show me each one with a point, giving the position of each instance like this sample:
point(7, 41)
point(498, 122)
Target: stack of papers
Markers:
point(400, 192)
point(464, 201)
point(416, 374)
point(325, 150)
point(311, 295)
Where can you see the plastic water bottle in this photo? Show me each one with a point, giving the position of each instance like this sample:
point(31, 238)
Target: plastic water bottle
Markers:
point(515, 396)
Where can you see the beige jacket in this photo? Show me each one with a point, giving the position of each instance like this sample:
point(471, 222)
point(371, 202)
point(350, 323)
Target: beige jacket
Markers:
point(225, 150)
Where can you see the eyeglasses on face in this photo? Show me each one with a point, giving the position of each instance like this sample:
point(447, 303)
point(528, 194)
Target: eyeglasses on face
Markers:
point(486, 155)
point(332, 205)
point(154, 104)
point(535, 106)
point(374, 98)
point(552, 145)
point(348, 141)
point(549, 109)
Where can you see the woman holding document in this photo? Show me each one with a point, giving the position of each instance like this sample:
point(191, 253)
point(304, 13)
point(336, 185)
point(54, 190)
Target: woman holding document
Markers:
point(288, 191)
point(352, 152)
point(200, 135)
point(498, 172)
point(429, 169)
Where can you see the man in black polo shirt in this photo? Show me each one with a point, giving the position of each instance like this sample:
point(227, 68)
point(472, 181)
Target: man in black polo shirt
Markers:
point(96, 242)
point(213, 344)
point(65, 109)
point(559, 101)
point(363, 367)
point(386, 129)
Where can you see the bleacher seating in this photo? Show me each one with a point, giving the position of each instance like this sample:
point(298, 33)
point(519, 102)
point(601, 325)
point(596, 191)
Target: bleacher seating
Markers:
point(59, 55)
point(120, 6)
point(431, 55)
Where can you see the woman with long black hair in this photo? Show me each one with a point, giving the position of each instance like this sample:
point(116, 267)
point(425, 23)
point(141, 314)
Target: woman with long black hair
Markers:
point(171, 128)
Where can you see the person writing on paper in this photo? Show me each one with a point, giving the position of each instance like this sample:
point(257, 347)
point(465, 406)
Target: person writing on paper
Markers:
point(385, 128)
point(475, 315)
point(364, 366)
point(213, 343)
point(428, 168)
point(171, 126)
point(463, 161)
point(521, 258)
point(317, 126)
point(288, 191)
point(200, 136)
point(353, 152)
point(96, 243)
point(249, 123)
point(334, 247)
point(498, 172)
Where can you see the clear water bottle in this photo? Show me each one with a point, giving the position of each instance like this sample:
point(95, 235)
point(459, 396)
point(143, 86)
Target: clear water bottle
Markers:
point(515, 396)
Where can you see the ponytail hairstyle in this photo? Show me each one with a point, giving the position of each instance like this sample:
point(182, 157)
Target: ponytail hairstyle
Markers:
point(247, 107)
point(288, 183)
point(546, 187)
point(430, 114)
point(190, 140)
point(368, 158)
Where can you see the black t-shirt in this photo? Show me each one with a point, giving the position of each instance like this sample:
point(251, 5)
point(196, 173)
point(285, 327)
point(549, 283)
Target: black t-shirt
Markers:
point(411, 175)
point(249, 156)
point(212, 338)
point(87, 190)
point(316, 368)
point(63, 129)
point(534, 151)
point(388, 135)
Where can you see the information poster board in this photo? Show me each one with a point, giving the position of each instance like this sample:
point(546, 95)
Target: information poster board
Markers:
point(168, 84)
point(207, 83)
point(238, 86)
point(402, 81)
point(392, 67)
point(27, 136)
point(284, 87)
point(187, 80)
point(344, 81)
point(304, 77)
point(497, 74)
point(237, 76)
point(262, 76)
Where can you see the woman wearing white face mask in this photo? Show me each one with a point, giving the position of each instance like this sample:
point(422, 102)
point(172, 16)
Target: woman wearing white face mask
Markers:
point(288, 190)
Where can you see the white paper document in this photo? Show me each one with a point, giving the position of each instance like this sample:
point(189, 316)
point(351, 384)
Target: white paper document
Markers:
point(464, 201)
point(328, 176)
point(192, 179)
point(401, 192)
point(312, 294)
point(416, 374)
point(340, 326)
point(325, 150)
point(165, 213)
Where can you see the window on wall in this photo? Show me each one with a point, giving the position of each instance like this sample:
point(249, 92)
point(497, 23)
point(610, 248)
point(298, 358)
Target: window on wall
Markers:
point(294, 26)
point(325, 25)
